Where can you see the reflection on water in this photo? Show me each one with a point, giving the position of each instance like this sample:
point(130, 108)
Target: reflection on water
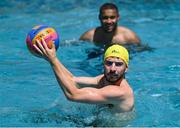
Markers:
point(133, 49)
point(105, 118)
point(139, 48)
point(52, 118)
point(99, 119)
point(56, 116)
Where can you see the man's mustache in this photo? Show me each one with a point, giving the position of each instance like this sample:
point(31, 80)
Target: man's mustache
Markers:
point(113, 74)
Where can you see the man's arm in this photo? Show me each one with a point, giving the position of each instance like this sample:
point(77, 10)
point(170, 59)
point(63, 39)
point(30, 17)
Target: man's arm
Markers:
point(64, 77)
point(109, 94)
point(88, 81)
point(66, 80)
point(128, 36)
point(105, 95)
point(133, 38)
point(87, 36)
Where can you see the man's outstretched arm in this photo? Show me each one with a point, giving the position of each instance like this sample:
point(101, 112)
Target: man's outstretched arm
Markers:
point(87, 36)
point(105, 95)
point(67, 81)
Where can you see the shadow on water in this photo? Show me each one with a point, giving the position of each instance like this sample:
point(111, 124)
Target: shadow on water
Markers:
point(95, 51)
point(56, 116)
point(133, 49)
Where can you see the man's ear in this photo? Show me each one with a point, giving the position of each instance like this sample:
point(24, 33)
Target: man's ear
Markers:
point(126, 69)
point(118, 17)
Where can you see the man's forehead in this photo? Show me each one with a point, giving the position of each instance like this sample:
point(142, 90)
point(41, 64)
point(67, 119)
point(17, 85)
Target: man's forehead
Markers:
point(109, 12)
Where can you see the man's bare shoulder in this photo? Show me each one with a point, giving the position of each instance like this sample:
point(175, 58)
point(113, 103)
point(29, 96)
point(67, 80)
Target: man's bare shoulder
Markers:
point(120, 90)
point(124, 34)
point(122, 29)
point(88, 35)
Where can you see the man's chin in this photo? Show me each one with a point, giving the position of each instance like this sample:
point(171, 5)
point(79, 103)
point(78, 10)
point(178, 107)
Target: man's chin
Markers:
point(112, 80)
point(108, 30)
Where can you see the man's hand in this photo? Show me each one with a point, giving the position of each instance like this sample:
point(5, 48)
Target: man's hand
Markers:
point(44, 51)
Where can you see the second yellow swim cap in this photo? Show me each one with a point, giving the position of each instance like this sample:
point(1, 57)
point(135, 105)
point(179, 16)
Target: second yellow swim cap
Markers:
point(117, 51)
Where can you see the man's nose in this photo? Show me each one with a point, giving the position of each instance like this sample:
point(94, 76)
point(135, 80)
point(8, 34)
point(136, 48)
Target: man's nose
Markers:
point(113, 67)
point(109, 20)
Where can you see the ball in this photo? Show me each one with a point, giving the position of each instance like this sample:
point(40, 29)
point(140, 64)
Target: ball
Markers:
point(48, 33)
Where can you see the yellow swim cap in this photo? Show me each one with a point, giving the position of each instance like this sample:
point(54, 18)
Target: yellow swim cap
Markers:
point(117, 51)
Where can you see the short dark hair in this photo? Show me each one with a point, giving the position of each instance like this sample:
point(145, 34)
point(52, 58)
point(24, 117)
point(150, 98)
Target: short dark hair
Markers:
point(108, 6)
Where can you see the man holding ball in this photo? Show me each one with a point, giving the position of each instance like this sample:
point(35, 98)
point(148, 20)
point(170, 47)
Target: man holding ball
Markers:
point(110, 88)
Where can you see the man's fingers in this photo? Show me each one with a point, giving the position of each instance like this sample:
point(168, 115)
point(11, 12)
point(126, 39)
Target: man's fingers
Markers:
point(40, 47)
point(44, 43)
point(53, 45)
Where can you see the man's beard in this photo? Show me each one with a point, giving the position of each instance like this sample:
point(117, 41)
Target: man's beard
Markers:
point(113, 29)
point(114, 81)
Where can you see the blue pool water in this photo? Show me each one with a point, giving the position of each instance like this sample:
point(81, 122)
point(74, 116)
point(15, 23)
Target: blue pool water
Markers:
point(29, 93)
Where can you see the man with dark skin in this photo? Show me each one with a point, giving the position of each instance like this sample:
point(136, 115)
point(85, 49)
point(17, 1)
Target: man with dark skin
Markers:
point(109, 31)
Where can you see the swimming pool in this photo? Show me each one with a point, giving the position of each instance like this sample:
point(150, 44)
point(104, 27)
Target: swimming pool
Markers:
point(29, 93)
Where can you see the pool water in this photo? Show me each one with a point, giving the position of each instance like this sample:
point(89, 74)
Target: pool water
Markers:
point(29, 92)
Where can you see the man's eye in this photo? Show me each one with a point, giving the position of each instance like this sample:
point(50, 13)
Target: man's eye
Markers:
point(112, 17)
point(108, 17)
point(105, 17)
point(109, 63)
point(119, 63)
